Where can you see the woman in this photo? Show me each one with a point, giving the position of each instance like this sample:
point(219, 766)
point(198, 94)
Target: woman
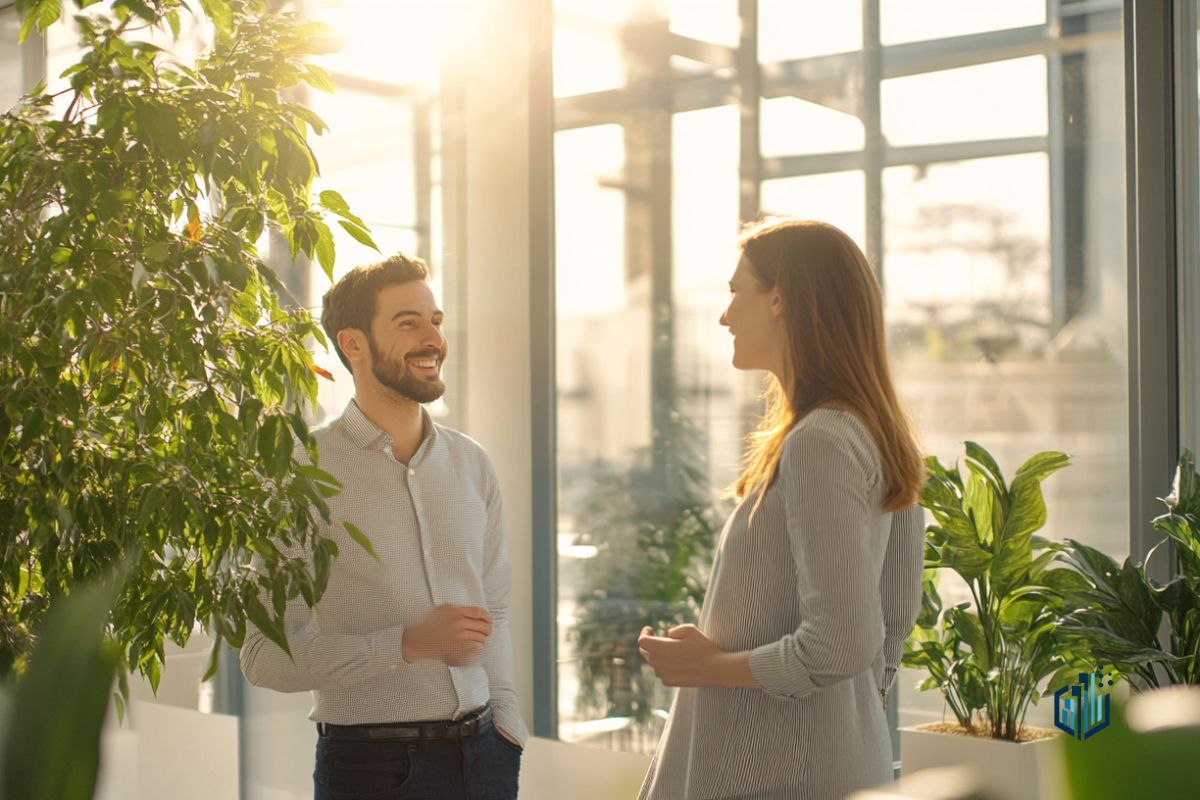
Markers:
point(816, 582)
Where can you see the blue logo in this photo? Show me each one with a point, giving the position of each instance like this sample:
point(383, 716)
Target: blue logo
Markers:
point(1086, 711)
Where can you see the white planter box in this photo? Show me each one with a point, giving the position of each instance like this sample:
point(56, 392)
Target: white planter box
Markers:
point(1006, 770)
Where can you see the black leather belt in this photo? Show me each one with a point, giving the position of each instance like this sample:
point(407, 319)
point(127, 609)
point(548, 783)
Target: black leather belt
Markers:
point(438, 729)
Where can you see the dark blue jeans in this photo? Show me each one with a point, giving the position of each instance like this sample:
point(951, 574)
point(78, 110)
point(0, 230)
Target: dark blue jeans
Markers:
point(479, 767)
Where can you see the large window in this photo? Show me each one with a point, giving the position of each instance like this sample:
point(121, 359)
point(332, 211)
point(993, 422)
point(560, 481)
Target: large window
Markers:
point(976, 152)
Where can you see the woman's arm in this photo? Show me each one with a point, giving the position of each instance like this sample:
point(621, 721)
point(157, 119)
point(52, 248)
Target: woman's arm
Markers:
point(828, 474)
point(830, 524)
point(900, 587)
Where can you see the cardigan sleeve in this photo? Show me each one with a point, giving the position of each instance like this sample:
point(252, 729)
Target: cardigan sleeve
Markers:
point(900, 587)
point(828, 475)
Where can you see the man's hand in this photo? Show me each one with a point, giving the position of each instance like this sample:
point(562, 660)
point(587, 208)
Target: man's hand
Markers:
point(453, 634)
point(686, 657)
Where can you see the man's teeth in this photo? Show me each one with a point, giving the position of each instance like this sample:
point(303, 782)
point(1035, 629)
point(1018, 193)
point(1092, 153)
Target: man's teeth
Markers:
point(425, 363)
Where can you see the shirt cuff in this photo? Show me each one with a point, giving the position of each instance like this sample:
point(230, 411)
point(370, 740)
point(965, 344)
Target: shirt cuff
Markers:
point(388, 649)
point(769, 665)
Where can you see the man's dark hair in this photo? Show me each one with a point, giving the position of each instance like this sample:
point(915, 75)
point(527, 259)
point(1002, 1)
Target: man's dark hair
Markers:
point(351, 301)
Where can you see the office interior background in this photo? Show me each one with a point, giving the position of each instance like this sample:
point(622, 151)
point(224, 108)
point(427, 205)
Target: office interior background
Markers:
point(1024, 176)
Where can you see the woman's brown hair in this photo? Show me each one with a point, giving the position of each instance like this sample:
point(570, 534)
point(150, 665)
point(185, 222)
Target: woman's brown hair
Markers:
point(835, 350)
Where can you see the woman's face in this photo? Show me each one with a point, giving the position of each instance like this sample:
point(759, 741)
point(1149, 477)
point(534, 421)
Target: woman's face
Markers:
point(754, 318)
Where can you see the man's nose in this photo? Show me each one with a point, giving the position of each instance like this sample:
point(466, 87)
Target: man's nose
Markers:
point(433, 337)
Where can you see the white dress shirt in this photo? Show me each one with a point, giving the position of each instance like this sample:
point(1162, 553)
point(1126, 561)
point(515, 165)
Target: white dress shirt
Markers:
point(437, 526)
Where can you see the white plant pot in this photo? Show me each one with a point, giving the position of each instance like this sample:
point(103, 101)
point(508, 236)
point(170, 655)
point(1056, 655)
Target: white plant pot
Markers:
point(1005, 770)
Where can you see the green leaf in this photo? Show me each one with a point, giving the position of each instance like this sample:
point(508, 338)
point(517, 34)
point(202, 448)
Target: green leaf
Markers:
point(172, 18)
point(317, 78)
point(978, 500)
point(325, 249)
point(138, 8)
point(42, 13)
point(990, 469)
point(334, 201)
point(359, 234)
point(1041, 466)
point(257, 614)
point(214, 660)
point(60, 702)
point(966, 624)
point(970, 561)
point(220, 13)
point(360, 538)
point(1014, 552)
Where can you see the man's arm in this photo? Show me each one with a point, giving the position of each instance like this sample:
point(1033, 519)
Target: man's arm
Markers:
point(496, 657)
point(318, 660)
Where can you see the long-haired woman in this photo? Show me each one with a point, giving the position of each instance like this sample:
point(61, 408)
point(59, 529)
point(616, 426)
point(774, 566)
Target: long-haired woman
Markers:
point(816, 582)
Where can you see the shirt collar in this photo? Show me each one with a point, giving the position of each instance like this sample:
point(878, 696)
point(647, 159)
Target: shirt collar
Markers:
point(366, 434)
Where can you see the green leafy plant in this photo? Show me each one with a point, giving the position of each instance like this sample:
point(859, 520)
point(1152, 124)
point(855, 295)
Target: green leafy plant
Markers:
point(654, 531)
point(1116, 612)
point(50, 720)
point(152, 381)
point(989, 657)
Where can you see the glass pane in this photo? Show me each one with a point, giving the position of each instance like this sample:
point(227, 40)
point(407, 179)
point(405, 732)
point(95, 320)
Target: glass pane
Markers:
point(834, 197)
point(790, 126)
point(1006, 295)
point(788, 29)
point(11, 78)
point(918, 20)
point(713, 21)
point(988, 101)
point(592, 42)
point(1003, 264)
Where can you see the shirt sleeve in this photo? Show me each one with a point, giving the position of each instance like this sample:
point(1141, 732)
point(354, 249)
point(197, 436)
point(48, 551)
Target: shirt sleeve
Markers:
point(827, 481)
point(318, 660)
point(900, 587)
point(496, 657)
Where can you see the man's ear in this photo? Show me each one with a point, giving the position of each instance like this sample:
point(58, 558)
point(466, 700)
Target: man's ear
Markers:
point(352, 343)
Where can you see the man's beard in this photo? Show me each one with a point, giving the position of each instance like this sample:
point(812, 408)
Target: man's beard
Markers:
point(396, 376)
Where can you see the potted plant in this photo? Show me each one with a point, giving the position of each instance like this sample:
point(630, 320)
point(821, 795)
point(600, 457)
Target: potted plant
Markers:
point(990, 656)
point(152, 377)
point(1116, 612)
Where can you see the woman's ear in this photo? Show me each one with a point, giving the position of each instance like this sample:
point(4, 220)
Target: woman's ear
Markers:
point(776, 303)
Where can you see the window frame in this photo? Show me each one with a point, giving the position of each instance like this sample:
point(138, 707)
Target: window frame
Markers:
point(1163, 298)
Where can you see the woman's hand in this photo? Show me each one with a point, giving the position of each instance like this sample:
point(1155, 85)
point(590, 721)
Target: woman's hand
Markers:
point(686, 657)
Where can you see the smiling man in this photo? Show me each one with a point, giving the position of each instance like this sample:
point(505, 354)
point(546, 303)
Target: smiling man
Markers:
point(408, 653)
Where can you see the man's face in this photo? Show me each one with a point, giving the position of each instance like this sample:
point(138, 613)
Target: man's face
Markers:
point(406, 342)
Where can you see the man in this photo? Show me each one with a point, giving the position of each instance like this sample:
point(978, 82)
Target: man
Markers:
point(408, 653)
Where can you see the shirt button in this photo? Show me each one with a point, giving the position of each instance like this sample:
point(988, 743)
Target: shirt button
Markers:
point(412, 472)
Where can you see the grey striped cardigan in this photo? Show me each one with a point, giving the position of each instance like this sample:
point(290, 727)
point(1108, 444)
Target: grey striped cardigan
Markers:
point(822, 588)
